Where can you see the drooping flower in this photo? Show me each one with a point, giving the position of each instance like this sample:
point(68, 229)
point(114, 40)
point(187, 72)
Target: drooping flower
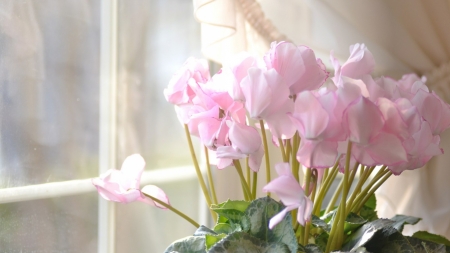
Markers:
point(291, 194)
point(124, 185)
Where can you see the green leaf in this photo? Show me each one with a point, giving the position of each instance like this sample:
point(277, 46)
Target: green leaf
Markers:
point(243, 242)
point(365, 233)
point(210, 240)
point(385, 241)
point(358, 250)
point(225, 228)
point(301, 249)
point(368, 211)
point(232, 210)
point(190, 244)
point(401, 220)
point(352, 222)
point(421, 246)
point(379, 236)
point(259, 212)
point(322, 240)
point(202, 230)
point(371, 202)
point(328, 217)
point(313, 248)
point(318, 222)
point(424, 235)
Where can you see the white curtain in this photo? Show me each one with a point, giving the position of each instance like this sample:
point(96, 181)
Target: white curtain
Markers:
point(404, 36)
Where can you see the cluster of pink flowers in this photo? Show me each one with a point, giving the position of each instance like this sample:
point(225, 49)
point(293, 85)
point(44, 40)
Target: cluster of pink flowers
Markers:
point(390, 122)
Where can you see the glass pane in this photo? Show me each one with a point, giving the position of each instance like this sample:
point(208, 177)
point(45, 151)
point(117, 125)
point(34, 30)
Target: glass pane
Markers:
point(67, 224)
point(155, 39)
point(49, 86)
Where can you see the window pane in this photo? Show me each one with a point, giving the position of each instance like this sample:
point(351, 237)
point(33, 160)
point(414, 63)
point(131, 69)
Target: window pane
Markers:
point(155, 39)
point(67, 224)
point(49, 86)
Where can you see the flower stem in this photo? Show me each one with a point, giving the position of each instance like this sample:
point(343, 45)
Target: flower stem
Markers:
point(294, 162)
point(288, 149)
point(362, 179)
point(199, 173)
point(210, 179)
point(173, 209)
point(283, 151)
point(346, 189)
point(254, 184)
point(245, 188)
point(266, 152)
point(247, 171)
point(325, 186)
point(337, 228)
point(364, 192)
point(336, 195)
point(374, 188)
point(352, 175)
point(307, 179)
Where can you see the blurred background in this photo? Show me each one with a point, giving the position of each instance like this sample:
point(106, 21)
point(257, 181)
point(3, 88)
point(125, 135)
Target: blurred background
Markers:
point(49, 118)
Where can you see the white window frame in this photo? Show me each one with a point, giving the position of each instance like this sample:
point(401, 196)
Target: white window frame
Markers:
point(107, 144)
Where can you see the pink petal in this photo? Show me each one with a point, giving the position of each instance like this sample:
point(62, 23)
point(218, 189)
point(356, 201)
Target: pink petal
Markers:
point(312, 116)
point(132, 168)
point(255, 159)
point(317, 154)
point(244, 138)
point(315, 73)
point(155, 192)
point(287, 189)
point(387, 149)
point(223, 163)
point(358, 154)
point(429, 107)
point(286, 59)
point(207, 130)
point(280, 123)
point(359, 63)
point(364, 120)
point(283, 169)
point(304, 211)
point(394, 123)
point(280, 216)
point(229, 152)
point(257, 92)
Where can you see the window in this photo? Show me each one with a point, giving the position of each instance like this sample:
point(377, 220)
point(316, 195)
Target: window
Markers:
point(81, 88)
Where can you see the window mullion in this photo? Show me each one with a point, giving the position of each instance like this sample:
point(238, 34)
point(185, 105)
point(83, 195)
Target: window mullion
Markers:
point(108, 112)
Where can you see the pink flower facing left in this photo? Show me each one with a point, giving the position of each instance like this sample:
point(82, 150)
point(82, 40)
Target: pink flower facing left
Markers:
point(291, 194)
point(124, 185)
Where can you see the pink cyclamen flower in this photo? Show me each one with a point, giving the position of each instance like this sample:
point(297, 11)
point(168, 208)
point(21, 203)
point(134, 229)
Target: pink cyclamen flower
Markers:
point(194, 70)
point(267, 98)
point(297, 65)
point(245, 141)
point(291, 194)
point(124, 185)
